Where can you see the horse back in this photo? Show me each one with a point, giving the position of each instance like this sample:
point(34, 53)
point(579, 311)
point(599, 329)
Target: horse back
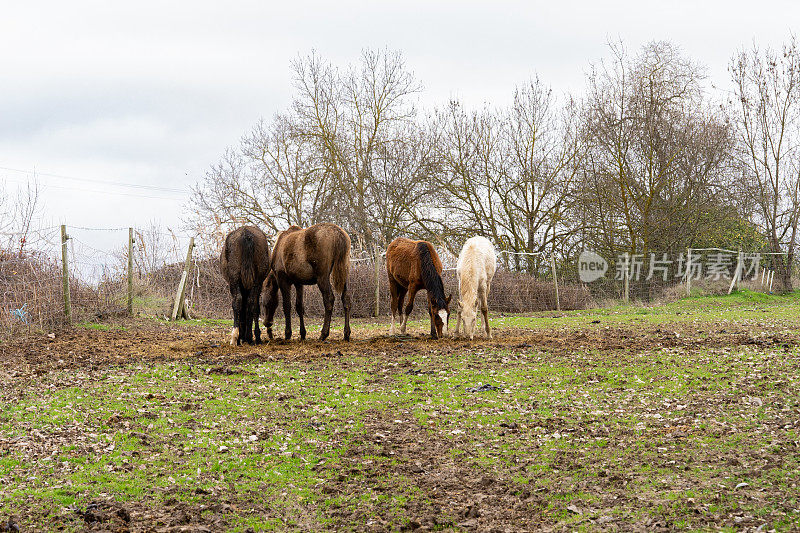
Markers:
point(402, 265)
point(303, 255)
point(403, 260)
point(289, 256)
point(232, 257)
point(476, 265)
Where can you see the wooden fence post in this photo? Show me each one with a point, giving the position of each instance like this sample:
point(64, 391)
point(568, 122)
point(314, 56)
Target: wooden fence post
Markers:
point(130, 271)
point(555, 281)
point(741, 270)
point(737, 274)
point(178, 306)
point(65, 275)
point(688, 272)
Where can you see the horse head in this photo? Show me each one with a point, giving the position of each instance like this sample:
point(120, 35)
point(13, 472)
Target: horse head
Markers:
point(469, 315)
point(440, 314)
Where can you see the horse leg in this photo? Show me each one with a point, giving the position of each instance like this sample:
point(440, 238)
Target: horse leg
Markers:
point(236, 303)
point(412, 293)
point(286, 294)
point(485, 302)
point(246, 319)
point(270, 305)
point(328, 298)
point(298, 306)
point(345, 297)
point(458, 321)
point(255, 296)
point(485, 310)
point(394, 290)
point(401, 299)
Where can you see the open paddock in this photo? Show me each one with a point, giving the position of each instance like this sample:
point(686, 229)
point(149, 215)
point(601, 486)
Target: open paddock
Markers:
point(632, 418)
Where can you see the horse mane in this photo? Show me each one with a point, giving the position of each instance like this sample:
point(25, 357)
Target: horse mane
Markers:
point(430, 276)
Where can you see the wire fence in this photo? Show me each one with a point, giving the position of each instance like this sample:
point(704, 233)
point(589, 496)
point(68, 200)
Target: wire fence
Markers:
point(101, 284)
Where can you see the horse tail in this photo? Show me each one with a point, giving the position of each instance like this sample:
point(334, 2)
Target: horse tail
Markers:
point(341, 262)
point(247, 254)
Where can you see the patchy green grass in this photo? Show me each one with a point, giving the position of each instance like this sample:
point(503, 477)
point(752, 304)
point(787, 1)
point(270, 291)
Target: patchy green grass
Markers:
point(697, 429)
point(740, 306)
point(99, 326)
point(149, 304)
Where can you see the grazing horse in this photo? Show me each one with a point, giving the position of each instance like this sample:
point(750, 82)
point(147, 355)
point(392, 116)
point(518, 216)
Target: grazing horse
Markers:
point(411, 266)
point(307, 257)
point(245, 264)
point(476, 265)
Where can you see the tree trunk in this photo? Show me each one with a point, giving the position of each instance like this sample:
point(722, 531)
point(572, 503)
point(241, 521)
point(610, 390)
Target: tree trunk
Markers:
point(785, 271)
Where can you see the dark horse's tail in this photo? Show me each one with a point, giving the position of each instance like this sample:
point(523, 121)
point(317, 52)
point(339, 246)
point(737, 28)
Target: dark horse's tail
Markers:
point(341, 261)
point(247, 249)
point(430, 276)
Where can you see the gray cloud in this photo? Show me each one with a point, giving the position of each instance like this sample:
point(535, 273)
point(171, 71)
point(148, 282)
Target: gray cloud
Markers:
point(153, 92)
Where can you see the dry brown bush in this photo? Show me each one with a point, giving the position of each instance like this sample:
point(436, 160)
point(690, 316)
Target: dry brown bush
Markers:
point(511, 292)
point(31, 295)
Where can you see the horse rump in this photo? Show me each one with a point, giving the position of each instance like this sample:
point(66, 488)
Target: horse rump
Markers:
point(245, 263)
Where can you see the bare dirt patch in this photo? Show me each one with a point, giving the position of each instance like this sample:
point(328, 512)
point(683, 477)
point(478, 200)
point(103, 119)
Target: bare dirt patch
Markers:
point(147, 341)
point(597, 442)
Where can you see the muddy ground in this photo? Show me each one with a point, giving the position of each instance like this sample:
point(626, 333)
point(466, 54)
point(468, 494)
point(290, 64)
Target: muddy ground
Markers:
point(126, 342)
point(452, 492)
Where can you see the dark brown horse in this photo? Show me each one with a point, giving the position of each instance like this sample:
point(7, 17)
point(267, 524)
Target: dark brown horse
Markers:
point(307, 257)
point(412, 266)
point(245, 264)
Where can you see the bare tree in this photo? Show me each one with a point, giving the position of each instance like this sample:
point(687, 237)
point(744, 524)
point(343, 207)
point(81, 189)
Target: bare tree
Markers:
point(509, 174)
point(546, 150)
point(767, 106)
point(19, 213)
point(291, 173)
point(657, 153)
point(155, 247)
point(348, 151)
point(274, 179)
point(359, 120)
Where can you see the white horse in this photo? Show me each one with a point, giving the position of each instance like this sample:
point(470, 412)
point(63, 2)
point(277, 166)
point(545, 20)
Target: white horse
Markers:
point(477, 263)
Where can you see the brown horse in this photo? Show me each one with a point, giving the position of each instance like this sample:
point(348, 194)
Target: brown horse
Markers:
point(411, 266)
point(307, 257)
point(245, 264)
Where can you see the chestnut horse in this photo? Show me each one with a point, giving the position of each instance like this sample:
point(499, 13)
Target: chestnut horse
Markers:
point(244, 262)
point(307, 257)
point(412, 266)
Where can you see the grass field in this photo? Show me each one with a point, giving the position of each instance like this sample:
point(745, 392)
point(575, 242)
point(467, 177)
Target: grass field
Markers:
point(684, 416)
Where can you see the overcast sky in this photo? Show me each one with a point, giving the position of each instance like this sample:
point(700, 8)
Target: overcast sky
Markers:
point(151, 93)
